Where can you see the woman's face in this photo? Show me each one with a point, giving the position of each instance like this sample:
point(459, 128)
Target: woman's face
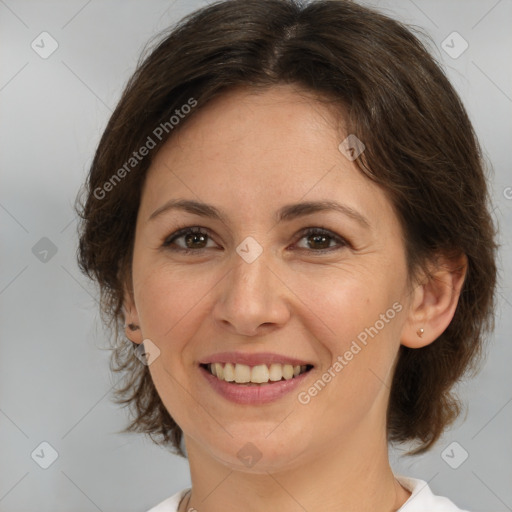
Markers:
point(257, 289)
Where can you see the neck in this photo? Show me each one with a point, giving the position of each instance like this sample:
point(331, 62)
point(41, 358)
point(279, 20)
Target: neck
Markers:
point(353, 475)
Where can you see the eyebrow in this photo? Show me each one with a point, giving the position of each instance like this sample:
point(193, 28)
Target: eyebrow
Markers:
point(286, 213)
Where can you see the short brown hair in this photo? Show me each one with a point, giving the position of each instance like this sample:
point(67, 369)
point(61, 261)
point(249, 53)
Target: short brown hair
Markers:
point(420, 147)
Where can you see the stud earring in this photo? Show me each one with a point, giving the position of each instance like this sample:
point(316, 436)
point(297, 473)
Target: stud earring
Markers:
point(420, 332)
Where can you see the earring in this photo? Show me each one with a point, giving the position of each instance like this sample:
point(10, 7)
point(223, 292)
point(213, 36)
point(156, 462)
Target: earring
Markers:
point(420, 332)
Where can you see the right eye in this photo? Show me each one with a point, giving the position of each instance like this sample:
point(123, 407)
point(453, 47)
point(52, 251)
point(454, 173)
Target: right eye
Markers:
point(193, 237)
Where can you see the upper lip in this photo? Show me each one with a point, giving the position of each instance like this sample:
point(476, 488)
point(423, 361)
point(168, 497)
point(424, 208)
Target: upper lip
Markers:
point(253, 359)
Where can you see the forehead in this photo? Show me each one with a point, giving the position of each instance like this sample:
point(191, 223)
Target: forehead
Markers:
point(255, 151)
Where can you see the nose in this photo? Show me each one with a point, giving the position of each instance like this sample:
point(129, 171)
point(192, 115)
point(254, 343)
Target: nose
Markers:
point(253, 299)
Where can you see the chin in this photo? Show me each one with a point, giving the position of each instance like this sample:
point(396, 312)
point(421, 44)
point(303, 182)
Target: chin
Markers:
point(259, 453)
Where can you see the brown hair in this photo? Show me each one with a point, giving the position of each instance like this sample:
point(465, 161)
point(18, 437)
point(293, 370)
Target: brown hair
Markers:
point(420, 147)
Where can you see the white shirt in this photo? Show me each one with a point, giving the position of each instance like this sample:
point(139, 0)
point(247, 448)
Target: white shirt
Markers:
point(421, 500)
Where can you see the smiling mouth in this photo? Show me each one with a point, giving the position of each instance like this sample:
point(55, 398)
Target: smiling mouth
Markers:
point(260, 374)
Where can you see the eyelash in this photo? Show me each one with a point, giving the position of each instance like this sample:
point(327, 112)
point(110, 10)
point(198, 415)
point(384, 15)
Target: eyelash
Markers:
point(305, 233)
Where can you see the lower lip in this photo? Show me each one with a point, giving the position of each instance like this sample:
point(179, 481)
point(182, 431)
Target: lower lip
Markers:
point(253, 394)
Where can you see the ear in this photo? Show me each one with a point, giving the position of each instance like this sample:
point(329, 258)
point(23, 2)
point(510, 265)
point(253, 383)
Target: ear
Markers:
point(434, 300)
point(131, 317)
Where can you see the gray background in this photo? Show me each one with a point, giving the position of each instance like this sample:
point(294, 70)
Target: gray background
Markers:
point(54, 376)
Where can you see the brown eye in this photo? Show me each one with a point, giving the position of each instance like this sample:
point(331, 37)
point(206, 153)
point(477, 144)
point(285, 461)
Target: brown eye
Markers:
point(320, 240)
point(194, 239)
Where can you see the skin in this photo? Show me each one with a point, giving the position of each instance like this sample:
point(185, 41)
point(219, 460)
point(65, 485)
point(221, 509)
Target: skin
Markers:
point(249, 154)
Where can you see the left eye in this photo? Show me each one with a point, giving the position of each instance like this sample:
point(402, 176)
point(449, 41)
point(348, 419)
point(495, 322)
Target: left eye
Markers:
point(323, 238)
point(195, 238)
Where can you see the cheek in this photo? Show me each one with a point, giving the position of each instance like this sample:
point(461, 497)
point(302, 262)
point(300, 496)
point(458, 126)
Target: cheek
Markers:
point(361, 347)
point(345, 301)
point(167, 298)
point(356, 317)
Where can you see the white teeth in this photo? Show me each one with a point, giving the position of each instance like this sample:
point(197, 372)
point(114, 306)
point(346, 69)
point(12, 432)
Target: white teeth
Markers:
point(276, 372)
point(259, 374)
point(288, 371)
point(242, 373)
point(219, 370)
point(229, 372)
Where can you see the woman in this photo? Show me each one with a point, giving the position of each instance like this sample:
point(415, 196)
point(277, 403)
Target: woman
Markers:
point(288, 214)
